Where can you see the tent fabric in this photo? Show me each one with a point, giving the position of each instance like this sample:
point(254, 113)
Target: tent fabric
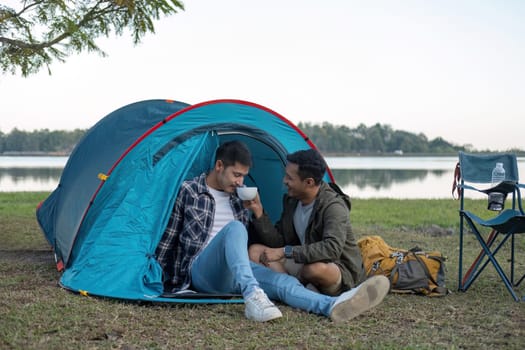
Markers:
point(105, 229)
point(60, 214)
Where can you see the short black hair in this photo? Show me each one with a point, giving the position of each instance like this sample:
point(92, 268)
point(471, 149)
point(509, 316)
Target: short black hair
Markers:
point(310, 162)
point(234, 151)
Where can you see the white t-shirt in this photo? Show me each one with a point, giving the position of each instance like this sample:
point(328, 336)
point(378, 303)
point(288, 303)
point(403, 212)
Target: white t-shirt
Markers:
point(223, 212)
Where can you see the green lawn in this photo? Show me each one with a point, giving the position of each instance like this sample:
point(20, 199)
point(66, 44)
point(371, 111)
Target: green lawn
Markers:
point(37, 314)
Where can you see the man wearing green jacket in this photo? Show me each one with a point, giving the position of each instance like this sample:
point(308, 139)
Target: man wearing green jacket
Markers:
point(313, 239)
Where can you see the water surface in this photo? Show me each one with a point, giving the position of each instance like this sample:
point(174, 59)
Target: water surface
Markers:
point(360, 177)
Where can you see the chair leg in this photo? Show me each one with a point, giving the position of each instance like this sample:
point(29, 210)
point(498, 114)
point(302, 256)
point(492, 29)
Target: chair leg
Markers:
point(490, 256)
point(493, 234)
point(512, 272)
point(460, 264)
point(480, 262)
point(512, 259)
point(476, 269)
point(519, 281)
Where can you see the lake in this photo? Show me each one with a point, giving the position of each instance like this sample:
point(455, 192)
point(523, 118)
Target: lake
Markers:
point(360, 177)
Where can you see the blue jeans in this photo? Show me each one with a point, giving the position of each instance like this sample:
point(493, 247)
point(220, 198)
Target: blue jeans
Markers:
point(224, 267)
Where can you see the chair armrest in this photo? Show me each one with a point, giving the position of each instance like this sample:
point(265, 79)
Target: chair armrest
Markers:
point(504, 187)
point(468, 187)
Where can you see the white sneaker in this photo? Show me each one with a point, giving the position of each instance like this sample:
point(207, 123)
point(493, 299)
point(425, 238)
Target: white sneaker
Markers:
point(259, 308)
point(360, 299)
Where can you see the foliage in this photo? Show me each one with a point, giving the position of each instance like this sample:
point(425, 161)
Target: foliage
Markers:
point(377, 139)
point(329, 138)
point(40, 31)
point(57, 141)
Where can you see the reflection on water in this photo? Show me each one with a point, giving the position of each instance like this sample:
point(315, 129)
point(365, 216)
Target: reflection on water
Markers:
point(363, 183)
point(396, 183)
point(360, 177)
point(29, 179)
point(380, 178)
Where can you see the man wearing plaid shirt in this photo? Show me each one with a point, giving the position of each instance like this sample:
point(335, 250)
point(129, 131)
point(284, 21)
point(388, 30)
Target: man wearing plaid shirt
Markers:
point(205, 243)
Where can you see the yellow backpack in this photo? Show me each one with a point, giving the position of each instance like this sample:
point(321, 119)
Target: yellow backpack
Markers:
point(409, 271)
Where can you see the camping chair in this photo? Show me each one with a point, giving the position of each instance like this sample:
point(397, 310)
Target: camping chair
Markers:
point(503, 223)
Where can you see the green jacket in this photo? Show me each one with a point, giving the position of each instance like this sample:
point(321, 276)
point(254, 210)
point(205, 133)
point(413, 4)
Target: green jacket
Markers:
point(328, 237)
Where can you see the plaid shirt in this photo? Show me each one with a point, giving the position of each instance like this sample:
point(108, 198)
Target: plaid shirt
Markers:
point(188, 230)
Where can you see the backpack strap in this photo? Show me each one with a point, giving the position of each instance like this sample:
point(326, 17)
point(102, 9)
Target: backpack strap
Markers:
point(400, 257)
point(392, 274)
point(427, 272)
point(438, 289)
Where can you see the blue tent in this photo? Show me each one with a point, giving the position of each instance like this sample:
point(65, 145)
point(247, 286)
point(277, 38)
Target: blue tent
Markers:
point(109, 211)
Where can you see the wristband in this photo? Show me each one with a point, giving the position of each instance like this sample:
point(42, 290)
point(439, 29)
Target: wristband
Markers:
point(288, 251)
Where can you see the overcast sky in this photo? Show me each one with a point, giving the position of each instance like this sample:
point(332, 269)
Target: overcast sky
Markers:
point(445, 68)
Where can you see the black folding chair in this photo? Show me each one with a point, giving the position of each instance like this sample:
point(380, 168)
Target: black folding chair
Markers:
point(491, 233)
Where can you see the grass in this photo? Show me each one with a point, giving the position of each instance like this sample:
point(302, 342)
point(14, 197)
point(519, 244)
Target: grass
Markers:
point(36, 314)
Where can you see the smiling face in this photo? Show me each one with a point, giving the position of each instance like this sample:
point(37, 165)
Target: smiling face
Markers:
point(297, 187)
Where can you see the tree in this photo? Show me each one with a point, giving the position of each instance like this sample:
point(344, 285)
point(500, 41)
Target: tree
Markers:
point(40, 31)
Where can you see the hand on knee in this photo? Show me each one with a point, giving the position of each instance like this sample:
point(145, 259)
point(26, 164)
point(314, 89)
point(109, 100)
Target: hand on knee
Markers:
point(255, 251)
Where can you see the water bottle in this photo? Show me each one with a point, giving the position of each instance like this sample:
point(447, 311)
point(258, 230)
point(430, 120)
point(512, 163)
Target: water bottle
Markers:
point(498, 174)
